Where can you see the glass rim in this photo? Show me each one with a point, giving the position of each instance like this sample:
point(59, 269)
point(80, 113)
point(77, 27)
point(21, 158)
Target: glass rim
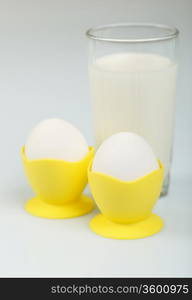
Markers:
point(92, 33)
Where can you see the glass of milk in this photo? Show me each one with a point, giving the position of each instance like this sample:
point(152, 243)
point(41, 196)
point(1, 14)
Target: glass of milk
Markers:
point(133, 71)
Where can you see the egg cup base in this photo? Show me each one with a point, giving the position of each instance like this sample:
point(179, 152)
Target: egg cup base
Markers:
point(106, 228)
point(39, 208)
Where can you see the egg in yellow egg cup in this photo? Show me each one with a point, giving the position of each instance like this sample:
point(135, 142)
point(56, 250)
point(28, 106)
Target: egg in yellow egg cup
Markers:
point(58, 185)
point(126, 206)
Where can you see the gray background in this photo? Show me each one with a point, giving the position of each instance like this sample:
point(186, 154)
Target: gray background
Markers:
point(43, 73)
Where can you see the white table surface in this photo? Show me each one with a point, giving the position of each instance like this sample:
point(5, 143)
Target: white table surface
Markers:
point(32, 246)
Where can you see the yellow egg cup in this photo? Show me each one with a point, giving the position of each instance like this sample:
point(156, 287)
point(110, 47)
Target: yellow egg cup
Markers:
point(58, 185)
point(126, 207)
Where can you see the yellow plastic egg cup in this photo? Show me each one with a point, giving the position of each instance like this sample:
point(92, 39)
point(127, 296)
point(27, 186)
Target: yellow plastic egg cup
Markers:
point(126, 207)
point(58, 185)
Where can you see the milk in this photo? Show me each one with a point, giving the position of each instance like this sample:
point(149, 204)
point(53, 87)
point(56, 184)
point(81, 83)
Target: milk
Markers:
point(135, 92)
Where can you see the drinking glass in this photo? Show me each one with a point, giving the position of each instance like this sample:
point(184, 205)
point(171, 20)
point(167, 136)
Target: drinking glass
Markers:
point(132, 70)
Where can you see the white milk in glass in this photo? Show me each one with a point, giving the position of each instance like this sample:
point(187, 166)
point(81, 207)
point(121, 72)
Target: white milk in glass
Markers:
point(135, 92)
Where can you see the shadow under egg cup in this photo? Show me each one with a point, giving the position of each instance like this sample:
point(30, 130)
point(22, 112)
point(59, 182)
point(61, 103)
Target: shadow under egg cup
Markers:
point(126, 206)
point(58, 185)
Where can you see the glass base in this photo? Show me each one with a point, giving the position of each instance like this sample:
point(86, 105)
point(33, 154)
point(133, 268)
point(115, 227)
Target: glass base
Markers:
point(165, 188)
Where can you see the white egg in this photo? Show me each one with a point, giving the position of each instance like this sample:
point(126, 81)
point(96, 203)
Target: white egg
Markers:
point(56, 139)
point(125, 156)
